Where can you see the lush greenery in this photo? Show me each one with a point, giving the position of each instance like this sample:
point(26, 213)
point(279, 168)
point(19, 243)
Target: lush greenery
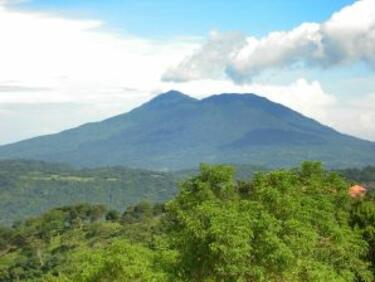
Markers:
point(29, 188)
point(285, 225)
point(365, 176)
point(175, 131)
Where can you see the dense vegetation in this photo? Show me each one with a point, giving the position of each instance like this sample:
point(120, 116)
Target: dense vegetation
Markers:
point(365, 175)
point(174, 131)
point(285, 225)
point(29, 188)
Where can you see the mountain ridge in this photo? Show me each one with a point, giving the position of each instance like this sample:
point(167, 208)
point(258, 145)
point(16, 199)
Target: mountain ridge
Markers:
point(174, 131)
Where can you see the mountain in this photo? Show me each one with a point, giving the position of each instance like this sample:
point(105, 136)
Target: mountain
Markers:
point(174, 131)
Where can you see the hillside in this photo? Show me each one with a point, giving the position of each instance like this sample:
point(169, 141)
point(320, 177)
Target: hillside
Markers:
point(174, 131)
point(29, 187)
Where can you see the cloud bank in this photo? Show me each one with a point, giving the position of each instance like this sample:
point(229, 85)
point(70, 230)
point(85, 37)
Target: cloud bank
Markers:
point(57, 72)
point(347, 37)
point(210, 61)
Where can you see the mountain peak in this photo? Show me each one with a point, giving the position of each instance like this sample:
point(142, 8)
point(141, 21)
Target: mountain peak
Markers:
point(171, 97)
point(173, 92)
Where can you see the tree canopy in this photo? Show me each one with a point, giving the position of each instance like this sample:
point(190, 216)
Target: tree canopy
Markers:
point(285, 225)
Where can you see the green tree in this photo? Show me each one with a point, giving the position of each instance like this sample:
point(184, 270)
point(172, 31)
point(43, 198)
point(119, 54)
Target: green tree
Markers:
point(121, 261)
point(363, 219)
point(112, 215)
point(292, 226)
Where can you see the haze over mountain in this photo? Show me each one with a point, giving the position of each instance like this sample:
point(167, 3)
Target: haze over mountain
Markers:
point(174, 131)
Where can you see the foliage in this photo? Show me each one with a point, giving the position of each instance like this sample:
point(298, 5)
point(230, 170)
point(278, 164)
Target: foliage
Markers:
point(285, 225)
point(363, 219)
point(291, 226)
point(120, 261)
point(29, 188)
point(57, 244)
point(365, 176)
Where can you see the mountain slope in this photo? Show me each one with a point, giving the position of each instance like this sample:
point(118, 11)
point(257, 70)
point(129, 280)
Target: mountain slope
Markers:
point(174, 131)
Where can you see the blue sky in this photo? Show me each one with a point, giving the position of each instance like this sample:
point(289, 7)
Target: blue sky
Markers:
point(168, 18)
point(65, 63)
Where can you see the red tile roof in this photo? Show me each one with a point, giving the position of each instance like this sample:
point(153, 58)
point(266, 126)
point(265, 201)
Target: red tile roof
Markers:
point(357, 191)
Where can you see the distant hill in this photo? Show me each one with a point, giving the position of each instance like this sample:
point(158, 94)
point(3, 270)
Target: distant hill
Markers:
point(29, 188)
point(174, 131)
point(364, 176)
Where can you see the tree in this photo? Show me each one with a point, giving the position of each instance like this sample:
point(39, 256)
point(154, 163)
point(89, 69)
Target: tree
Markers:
point(137, 212)
point(285, 225)
point(120, 261)
point(292, 226)
point(112, 215)
point(363, 219)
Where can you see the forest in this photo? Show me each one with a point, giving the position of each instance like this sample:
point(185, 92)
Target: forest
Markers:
point(295, 224)
point(29, 188)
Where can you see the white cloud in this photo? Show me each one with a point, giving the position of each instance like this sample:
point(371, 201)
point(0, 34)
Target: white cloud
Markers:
point(350, 115)
point(347, 37)
point(50, 60)
point(51, 50)
point(210, 60)
point(355, 116)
